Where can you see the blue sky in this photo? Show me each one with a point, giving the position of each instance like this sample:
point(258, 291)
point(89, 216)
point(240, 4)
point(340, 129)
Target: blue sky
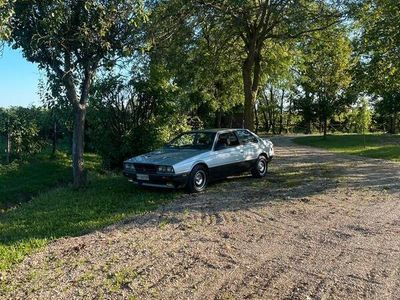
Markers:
point(18, 80)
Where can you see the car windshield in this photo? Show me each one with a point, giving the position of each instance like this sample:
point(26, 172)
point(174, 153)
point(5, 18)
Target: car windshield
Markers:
point(193, 140)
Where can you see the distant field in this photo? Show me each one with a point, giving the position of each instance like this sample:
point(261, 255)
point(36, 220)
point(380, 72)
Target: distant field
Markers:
point(376, 145)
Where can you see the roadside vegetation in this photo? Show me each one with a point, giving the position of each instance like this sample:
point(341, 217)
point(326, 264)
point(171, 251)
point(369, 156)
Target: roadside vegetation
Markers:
point(371, 145)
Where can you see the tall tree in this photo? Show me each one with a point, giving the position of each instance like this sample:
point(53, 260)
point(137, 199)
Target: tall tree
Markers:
point(276, 83)
point(5, 14)
point(378, 44)
point(201, 62)
point(255, 22)
point(326, 73)
point(71, 39)
point(363, 116)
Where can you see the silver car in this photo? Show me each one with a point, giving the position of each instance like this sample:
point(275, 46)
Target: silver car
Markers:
point(195, 158)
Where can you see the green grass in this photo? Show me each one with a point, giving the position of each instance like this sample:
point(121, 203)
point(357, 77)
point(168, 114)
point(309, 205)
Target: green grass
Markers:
point(376, 145)
point(21, 180)
point(38, 205)
point(63, 212)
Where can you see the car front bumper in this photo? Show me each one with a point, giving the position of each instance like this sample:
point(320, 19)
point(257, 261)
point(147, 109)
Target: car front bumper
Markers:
point(160, 180)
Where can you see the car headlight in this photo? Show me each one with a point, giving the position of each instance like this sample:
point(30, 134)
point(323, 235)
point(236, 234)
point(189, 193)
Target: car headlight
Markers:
point(165, 169)
point(129, 167)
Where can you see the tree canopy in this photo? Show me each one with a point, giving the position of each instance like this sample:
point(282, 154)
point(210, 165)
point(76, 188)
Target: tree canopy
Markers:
point(71, 40)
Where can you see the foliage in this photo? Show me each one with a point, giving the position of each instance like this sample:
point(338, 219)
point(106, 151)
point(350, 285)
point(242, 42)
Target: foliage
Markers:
point(376, 145)
point(378, 44)
point(244, 30)
point(22, 125)
point(363, 117)
point(5, 15)
point(197, 60)
point(325, 75)
point(387, 110)
point(131, 118)
point(57, 121)
point(278, 84)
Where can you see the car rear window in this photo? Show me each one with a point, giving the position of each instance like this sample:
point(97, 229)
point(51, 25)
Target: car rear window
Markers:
point(246, 137)
point(229, 139)
point(193, 140)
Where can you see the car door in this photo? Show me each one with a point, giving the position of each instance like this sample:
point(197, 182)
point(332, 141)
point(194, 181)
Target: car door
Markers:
point(250, 148)
point(226, 157)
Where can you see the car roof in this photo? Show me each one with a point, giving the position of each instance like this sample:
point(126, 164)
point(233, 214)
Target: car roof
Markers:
point(217, 130)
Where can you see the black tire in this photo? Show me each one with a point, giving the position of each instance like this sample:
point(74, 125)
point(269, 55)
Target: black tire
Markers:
point(260, 168)
point(198, 180)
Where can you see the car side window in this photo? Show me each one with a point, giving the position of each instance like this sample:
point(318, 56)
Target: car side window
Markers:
point(227, 140)
point(246, 137)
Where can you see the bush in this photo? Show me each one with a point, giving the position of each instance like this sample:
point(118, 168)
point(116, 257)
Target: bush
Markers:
point(127, 119)
point(23, 127)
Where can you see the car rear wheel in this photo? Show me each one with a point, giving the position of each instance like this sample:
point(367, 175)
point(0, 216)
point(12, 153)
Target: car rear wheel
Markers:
point(260, 168)
point(198, 180)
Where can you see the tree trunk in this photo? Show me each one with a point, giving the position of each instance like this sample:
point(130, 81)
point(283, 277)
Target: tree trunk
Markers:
point(266, 123)
point(309, 127)
point(325, 125)
point(391, 124)
point(79, 106)
point(248, 95)
point(271, 108)
point(218, 118)
point(251, 72)
point(54, 138)
point(257, 121)
point(78, 146)
point(281, 113)
point(289, 118)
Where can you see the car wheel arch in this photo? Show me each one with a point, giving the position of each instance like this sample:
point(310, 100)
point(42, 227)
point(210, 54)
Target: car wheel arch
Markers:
point(192, 186)
point(203, 164)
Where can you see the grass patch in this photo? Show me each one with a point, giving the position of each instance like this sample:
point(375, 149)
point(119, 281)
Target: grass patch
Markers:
point(117, 281)
point(63, 212)
point(21, 180)
point(376, 145)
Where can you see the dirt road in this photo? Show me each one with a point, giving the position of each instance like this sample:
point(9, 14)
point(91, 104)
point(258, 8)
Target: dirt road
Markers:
point(320, 226)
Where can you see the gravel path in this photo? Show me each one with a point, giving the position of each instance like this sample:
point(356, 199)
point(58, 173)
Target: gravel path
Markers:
point(321, 226)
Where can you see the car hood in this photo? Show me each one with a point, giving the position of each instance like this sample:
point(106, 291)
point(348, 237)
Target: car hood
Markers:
point(167, 157)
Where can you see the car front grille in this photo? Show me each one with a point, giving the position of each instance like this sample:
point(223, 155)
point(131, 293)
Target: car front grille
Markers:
point(146, 168)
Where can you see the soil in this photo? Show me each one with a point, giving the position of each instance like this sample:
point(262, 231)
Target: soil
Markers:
point(319, 226)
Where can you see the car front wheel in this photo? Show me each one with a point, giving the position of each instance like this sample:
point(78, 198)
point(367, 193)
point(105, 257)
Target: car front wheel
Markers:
point(198, 180)
point(261, 167)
